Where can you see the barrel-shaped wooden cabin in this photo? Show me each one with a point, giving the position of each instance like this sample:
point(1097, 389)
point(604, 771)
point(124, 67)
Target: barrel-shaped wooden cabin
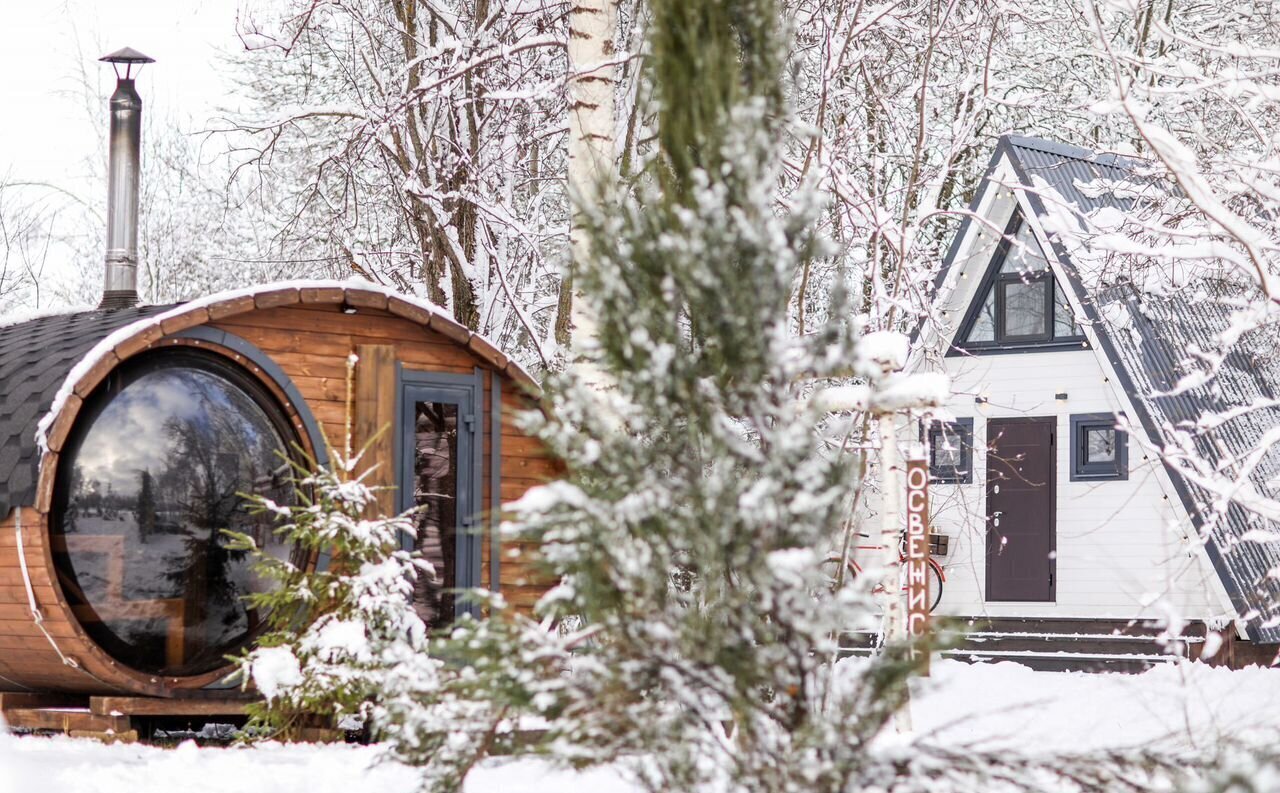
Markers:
point(130, 434)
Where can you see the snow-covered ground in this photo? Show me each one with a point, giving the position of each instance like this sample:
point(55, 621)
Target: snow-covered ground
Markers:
point(1173, 706)
point(1186, 706)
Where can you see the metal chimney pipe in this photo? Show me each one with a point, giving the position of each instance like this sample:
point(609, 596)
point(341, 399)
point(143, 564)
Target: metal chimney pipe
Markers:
point(124, 175)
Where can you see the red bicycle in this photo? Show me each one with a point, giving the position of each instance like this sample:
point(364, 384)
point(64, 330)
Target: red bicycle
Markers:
point(936, 575)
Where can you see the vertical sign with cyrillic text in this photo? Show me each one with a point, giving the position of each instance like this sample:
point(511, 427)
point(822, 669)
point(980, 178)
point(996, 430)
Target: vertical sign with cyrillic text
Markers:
point(917, 548)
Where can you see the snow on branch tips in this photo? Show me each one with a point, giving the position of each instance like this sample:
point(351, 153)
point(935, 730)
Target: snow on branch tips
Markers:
point(879, 358)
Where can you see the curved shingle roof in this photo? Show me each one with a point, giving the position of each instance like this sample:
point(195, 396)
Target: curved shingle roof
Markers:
point(36, 356)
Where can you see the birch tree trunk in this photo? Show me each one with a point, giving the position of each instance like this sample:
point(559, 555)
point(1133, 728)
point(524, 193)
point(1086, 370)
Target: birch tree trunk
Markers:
point(592, 24)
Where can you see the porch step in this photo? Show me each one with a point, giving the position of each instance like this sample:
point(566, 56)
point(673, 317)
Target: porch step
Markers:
point(1054, 644)
point(1064, 661)
point(1061, 625)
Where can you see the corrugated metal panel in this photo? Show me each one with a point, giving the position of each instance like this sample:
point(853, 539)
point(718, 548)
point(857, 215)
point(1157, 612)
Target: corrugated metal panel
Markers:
point(1153, 335)
point(1067, 169)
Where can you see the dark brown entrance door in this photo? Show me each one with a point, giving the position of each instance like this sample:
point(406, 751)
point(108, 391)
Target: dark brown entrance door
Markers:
point(1020, 509)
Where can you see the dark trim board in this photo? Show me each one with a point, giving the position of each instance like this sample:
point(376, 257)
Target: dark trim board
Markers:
point(1048, 346)
point(495, 483)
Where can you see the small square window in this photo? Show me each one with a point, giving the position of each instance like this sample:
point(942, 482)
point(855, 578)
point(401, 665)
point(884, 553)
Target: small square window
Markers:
point(951, 451)
point(946, 451)
point(1098, 449)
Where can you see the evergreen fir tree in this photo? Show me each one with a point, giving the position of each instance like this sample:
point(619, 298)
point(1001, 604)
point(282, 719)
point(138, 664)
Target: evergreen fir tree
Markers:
point(145, 508)
point(697, 633)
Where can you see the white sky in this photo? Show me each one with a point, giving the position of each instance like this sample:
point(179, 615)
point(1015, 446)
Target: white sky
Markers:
point(46, 130)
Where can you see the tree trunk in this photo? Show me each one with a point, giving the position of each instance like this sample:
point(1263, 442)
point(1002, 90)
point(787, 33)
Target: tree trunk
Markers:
point(592, 24)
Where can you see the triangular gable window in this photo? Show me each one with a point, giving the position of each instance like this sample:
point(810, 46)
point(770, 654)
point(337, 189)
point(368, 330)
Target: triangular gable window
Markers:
point(1021, 303)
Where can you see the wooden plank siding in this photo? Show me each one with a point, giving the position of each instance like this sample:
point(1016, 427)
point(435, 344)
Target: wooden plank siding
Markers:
point(310, 341)
point(30, 657)
point(375, 418)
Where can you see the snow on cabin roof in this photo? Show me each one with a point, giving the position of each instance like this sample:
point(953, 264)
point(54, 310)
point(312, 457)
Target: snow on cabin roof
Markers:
point(1070, 170)
point(1148, 337)
point(36, 355)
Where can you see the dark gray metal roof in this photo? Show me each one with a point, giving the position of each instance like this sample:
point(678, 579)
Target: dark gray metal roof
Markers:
point(1147, 338)
point(1067, 168)
point(1064, 168)
point(1152, 335)
point(35, 358)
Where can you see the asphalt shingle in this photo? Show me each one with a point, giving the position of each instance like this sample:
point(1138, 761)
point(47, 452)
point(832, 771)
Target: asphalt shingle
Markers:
point(35, 358)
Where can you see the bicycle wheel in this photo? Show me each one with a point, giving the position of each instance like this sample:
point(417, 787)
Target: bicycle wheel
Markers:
point(935, 586)
point(831, 568)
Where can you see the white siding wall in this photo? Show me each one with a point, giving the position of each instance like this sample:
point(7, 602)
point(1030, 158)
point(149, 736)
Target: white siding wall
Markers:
point(1121, 549)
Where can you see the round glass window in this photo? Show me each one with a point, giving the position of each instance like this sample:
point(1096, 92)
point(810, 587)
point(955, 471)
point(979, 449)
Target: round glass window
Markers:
point(157, 472)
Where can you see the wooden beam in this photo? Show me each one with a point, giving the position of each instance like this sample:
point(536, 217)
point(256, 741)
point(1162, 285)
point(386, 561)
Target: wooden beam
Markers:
point(9, 700)
point(65, 720)
point(375, 420)
point(157, 706)
point(365, 299)
point(187, 319)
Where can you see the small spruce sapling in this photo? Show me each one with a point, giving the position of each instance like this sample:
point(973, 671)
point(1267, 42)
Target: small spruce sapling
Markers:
point(333, 633)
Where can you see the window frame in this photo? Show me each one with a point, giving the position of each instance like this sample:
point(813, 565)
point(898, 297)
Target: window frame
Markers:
point(1082, 470)
point(995, 281)
point(212, 358)
point(1002, 282)
point(961, 474)
point(175, 357)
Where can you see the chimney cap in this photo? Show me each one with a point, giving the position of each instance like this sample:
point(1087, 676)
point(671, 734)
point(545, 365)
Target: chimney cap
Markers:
point(126, 55)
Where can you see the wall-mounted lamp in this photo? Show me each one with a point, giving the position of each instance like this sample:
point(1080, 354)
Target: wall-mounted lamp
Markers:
point(1060, 395)
point(980, 400)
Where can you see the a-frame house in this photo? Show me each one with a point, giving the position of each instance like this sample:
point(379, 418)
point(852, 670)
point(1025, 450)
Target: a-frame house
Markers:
point(1048, 472)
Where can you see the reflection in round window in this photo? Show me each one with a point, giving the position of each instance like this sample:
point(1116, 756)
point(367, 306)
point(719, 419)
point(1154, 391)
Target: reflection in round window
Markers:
point(157, 472)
